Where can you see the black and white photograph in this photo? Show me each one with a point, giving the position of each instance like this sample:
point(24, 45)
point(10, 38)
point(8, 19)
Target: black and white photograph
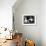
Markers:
point(29, 20)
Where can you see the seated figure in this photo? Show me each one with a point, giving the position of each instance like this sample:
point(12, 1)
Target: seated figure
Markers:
point(18, 39)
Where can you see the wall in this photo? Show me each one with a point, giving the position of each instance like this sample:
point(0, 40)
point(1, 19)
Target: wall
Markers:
point(32, 7)
point(43, 22)
point(38, 31)
point(6, 13)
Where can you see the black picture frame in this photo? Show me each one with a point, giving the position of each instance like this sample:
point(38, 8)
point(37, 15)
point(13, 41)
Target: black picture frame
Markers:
point(29, 20)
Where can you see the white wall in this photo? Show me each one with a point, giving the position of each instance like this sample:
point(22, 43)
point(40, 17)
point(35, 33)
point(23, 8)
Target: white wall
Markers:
point(36, 32)
point(6, 13)
point(43, 22)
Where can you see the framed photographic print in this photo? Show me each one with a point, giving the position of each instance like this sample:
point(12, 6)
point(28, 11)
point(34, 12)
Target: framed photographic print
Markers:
point(29, 20)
